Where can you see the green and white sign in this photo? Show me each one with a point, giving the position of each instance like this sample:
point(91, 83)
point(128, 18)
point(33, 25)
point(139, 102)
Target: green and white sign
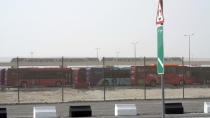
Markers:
point(160, 50)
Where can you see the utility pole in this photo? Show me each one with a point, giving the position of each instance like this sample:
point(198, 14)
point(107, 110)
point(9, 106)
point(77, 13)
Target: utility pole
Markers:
point(97, 51)
point(18, 80)
point(134, 44)
point(62, 66)
point(117, 54)
point(32, 54)
point(97, 55)
point(104, 79)
point(189, 35)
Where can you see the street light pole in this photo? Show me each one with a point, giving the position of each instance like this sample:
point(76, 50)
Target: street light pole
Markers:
point(134, 44)
point(117, 53)
point(32, 54)
point(97, 50)
point(189, 35)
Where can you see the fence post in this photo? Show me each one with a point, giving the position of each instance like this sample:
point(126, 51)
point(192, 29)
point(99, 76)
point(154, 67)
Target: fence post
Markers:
point(144, 79)
point(183, 71)
point(104, 79)
point(64, 77)
point(18, 80)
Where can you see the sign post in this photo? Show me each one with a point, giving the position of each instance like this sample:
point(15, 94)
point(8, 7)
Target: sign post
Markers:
point(160, 50)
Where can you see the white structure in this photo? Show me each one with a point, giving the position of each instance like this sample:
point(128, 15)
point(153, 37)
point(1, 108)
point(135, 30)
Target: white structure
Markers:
point(44, 112)
point(206, 107)
point(125, 110)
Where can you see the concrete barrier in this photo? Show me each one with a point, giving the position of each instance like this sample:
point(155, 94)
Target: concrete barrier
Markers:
point(206, 107)
point(44, 112)
point(125, 110)
point(174, 108)
point(80, 111)
point(3, 112)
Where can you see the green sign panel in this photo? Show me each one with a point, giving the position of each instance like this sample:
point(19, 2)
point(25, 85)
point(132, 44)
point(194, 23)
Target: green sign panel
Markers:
point(160, 58)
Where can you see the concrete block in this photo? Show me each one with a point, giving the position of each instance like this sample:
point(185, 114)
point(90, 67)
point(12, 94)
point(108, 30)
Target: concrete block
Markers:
point(125, 110)
point(80, 111)
point(3, 112)
point(174, 108)
point(206, 107)
point(44, 112)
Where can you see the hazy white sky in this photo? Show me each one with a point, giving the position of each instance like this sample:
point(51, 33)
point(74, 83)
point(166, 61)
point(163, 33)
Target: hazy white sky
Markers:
point(75, 28)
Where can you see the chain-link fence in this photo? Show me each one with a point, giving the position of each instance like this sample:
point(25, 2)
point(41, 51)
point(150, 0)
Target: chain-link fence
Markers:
point(45, 80)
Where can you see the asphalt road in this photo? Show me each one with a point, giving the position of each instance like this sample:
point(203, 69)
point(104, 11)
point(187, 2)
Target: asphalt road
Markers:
point(145, 109)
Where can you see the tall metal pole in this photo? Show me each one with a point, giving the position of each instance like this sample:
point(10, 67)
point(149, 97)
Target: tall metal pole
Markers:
point(183, 77)
point(64, 77)
point(18, 80)
point(104, 79)
point(32, 54)
point(162, 82)
point(135, 53)
point(189, 52)
point(97, 51)
point(189, 35)
point(134, 44)
point(163, 95)
point(145, 79)
point(97, 54)
point(117, 54)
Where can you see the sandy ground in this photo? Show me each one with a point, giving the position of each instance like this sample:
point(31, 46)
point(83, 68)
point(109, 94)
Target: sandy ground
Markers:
point(49, 95)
